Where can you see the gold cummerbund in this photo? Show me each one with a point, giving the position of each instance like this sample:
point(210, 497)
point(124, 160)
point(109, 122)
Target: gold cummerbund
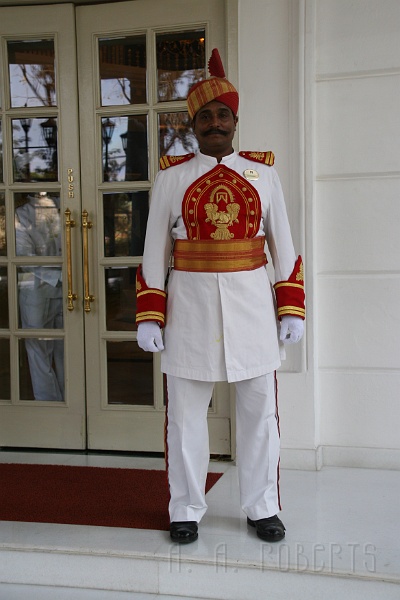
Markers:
point(209, 256)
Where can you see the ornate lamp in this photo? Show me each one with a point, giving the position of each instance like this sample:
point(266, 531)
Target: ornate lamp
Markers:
point(107, 129)
point(49, 130)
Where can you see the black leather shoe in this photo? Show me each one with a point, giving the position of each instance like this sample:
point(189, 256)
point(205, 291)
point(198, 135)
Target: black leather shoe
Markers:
point(183, 532)
point(269, 530)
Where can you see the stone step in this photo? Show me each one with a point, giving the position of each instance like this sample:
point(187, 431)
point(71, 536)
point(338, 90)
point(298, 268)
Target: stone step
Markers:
point(38, 592)
point(342, 541)
point(140, 561)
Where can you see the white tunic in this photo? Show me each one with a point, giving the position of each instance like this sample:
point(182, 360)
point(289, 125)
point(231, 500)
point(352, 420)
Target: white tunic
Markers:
point(219, 326)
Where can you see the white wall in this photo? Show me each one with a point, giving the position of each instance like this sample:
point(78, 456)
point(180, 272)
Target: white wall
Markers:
point(357, 203)
point(271, 105)
point(320, 86)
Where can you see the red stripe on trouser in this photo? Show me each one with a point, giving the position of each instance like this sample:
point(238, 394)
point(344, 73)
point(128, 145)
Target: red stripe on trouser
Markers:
point(166, 424)
point(279, 433)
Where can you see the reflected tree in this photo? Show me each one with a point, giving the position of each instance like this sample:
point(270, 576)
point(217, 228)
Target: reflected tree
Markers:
point(175, 129)
point(32, 73)
point(40, 79)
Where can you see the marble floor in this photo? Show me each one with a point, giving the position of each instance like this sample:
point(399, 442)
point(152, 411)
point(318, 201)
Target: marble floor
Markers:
point(343, 532)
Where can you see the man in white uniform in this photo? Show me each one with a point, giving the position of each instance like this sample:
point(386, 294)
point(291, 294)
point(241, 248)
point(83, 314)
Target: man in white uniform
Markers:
point(215, 211)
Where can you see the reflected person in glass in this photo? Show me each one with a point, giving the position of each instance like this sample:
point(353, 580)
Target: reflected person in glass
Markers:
point(38, 233)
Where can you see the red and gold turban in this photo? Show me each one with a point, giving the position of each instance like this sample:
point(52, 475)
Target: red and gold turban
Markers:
point(215, 88)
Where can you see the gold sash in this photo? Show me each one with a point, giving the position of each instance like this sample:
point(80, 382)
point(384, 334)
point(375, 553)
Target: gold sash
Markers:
point(212, 256)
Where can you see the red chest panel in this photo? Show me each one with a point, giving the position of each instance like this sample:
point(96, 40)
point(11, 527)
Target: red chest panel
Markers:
point(221, 205)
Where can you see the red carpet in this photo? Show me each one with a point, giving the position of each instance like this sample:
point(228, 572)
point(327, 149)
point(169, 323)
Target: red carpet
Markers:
point(135, 498)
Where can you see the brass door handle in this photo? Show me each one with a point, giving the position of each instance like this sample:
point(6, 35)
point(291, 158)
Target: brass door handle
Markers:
point(88, 297)
point(69, 223)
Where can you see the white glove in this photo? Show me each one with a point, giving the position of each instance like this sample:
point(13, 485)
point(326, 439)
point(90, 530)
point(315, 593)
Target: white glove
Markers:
point(149, 336)
point(292, 329)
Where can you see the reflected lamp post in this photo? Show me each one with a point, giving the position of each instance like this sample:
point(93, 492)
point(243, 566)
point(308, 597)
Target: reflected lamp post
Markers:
point(49, 130)
point(124, 140)
point(107, 128)
point(26, 125)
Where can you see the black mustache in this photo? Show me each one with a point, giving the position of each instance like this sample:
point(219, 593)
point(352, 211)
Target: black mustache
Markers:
point(213, 131)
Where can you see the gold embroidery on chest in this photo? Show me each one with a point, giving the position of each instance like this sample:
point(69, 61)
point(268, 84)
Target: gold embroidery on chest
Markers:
point(222, 219)
point(221, 205)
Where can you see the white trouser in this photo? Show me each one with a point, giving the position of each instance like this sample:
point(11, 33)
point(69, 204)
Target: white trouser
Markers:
point(257, 438)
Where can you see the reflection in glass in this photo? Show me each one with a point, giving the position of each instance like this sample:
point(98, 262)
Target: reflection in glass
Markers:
point(175, 134)
point(32, 73)
point(125, 152)
point(41, 369)
point(40, 297)
point(129, 374)
point(3, 298)
point(1, 154)
point(125, 221)
point(35, 149)
point(3, 237)
point(37, 224)
point(120, 298)
point(5, 374)
point(123, 70)
point(180, 63)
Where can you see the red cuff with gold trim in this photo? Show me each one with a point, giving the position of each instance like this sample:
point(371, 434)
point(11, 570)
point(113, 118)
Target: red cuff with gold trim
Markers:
point(150, 302)
point(290, 297)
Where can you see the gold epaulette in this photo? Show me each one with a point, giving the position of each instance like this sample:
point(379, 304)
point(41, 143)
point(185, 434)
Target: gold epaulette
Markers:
point(170, 161)
point(266, 158)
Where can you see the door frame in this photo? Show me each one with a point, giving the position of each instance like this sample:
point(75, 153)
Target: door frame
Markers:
point(27, 423)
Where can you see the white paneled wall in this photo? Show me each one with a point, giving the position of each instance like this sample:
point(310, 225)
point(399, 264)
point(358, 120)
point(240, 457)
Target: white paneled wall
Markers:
point(356, 36)
point(320, 85)
point(358, 125)
point(357, 207)
point(347, 205)
point(270, 110)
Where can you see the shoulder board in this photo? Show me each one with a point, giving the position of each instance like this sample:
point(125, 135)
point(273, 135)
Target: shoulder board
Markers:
point(266, 158)
point(171, 161)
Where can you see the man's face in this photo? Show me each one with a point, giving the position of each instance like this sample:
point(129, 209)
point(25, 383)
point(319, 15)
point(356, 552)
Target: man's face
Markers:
point(214, 126)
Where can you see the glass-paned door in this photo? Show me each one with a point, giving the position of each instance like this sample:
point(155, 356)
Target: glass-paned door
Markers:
point(93, 96)
point(135, 69)
point(42, 399)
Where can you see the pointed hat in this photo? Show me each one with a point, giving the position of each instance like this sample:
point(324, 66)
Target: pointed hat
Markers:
point(217, 87)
